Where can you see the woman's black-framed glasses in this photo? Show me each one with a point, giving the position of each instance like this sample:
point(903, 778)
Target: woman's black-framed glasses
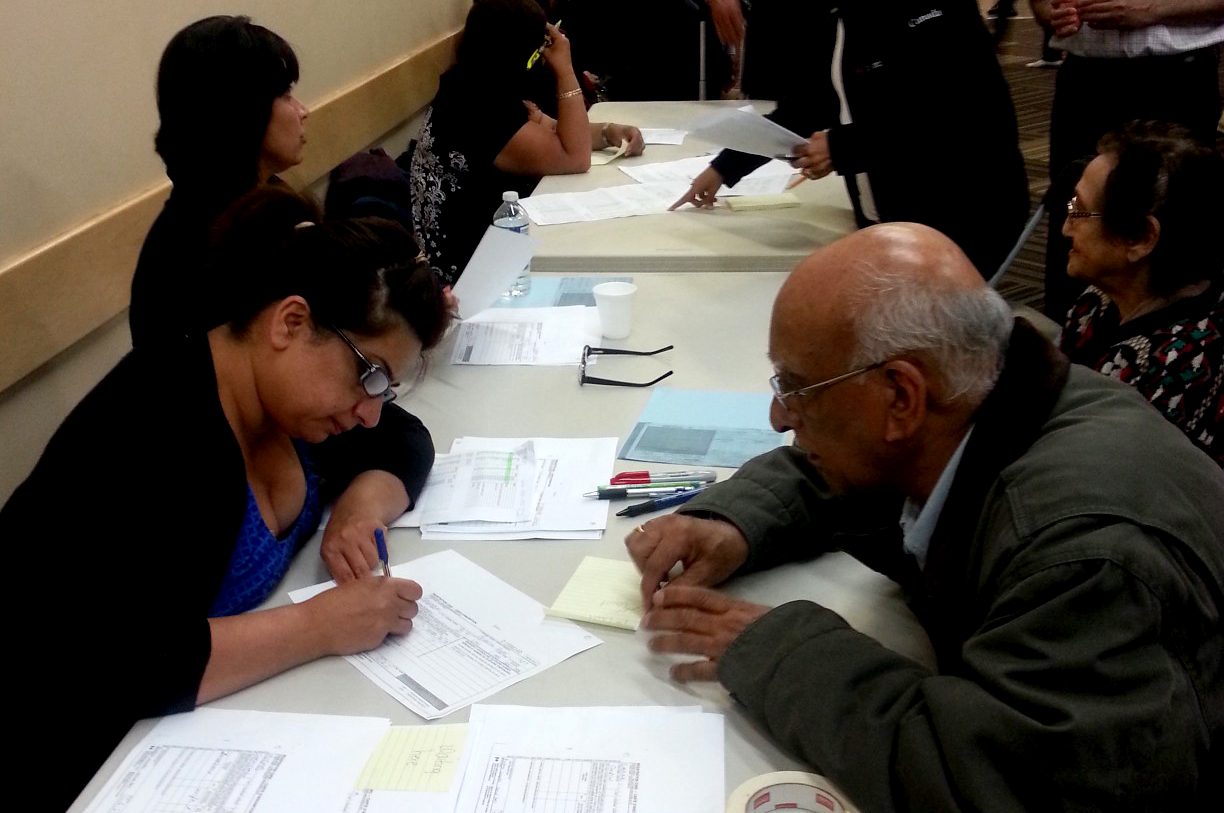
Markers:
point(374, 380)
point(583, 378)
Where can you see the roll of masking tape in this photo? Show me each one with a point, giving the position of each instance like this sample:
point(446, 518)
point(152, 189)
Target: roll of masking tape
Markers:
point(789, 791)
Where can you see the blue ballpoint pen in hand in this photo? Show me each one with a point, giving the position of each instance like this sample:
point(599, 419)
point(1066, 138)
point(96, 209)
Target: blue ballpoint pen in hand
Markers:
point(381, 541)
point(662, 502)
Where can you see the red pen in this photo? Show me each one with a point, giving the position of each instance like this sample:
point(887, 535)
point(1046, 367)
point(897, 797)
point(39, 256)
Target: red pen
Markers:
point(626, 478)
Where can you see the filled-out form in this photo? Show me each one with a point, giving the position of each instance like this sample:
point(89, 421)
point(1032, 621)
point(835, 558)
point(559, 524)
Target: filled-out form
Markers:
point(473, 635)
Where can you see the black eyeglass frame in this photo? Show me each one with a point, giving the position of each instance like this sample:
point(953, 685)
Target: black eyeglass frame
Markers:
point(583, 378)
point(376, 381)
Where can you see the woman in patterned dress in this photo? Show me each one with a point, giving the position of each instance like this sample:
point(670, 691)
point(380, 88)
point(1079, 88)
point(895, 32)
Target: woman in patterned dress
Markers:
point(1145, 229)
point(482, 136)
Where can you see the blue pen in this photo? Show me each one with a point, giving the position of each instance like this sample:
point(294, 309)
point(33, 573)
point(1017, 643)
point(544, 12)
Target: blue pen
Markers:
point(661, 502)
point(381, 541)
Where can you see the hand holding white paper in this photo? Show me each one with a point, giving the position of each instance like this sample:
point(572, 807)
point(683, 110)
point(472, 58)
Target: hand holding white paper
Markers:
point(746, 132)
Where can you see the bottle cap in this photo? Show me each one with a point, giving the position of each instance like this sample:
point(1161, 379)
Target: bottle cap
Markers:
point(511, 197)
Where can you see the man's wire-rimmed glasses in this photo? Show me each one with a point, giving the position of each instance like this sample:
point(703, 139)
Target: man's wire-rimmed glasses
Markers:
point(587, 351)
point(1075, 212)
point(781, 395)
point(374, 380)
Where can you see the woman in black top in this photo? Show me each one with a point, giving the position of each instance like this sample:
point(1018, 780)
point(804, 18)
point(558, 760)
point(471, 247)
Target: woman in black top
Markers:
point(482, 136)
point(173, 497)
point(228, 122)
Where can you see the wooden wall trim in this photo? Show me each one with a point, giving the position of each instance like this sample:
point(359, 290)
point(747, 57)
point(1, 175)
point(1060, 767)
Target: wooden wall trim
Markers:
point(58, 293)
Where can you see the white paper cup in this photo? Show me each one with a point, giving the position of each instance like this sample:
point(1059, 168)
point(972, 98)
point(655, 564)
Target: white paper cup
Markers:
point(615, 303)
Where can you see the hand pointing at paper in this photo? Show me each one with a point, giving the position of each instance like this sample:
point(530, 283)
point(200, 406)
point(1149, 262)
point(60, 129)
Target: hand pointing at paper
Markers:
point(702, 193)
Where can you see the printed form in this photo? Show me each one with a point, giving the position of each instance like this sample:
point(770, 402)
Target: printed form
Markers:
point(224, 761)
point(526, 336)
point(473, 635)
point(483, 484)
point(605, 759)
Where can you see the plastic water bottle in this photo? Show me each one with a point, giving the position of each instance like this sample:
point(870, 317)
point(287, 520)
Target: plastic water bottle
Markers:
point(512, 217)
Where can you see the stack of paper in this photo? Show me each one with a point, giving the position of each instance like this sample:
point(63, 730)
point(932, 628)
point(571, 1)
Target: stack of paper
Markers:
point(473, 636)
point(476, 491)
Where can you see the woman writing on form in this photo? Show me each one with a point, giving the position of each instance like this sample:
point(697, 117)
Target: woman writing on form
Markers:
point(481, 138)
point(198, 467)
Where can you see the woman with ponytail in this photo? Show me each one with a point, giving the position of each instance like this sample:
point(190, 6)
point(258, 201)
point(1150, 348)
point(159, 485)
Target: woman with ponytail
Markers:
point(198, 467)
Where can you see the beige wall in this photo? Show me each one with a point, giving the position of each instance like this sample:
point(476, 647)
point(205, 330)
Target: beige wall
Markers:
point(76, 141)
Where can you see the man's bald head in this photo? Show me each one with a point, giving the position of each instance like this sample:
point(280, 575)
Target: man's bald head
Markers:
point(895, 289)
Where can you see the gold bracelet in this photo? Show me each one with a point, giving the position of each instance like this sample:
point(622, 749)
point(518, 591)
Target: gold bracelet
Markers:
point(569, 93)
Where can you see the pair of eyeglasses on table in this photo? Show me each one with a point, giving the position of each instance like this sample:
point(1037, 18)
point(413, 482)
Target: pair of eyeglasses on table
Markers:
point(589, 351)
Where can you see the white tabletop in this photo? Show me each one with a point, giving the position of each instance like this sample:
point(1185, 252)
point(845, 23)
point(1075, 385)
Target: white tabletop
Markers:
point(718, 324)
point(687, 239)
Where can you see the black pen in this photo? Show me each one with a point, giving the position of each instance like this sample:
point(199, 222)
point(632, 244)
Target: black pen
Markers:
point(643, 490)
point(661, 502)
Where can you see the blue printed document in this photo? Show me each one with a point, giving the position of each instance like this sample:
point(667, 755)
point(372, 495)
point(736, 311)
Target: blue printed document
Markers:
point(703, 428)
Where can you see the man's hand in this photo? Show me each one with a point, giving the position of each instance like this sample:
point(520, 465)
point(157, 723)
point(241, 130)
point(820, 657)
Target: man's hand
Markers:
point(697, 621)
point(813, 158)
point(616, 133)
point(710, 550)
point(728, 21)
point(1064, 17)
point(701, 193)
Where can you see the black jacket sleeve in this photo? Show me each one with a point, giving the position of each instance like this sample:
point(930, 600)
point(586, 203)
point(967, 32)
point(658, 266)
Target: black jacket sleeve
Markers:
point(1102, 720)
point(399, 444)
point(783, 508)
point(801, 116)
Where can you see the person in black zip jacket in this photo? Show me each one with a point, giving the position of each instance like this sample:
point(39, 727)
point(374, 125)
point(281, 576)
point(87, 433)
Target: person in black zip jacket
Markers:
point(908, 104)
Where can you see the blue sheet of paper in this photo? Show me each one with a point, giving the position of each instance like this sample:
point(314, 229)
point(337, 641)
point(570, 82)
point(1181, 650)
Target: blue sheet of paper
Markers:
point(557, 292)
point(703, 428)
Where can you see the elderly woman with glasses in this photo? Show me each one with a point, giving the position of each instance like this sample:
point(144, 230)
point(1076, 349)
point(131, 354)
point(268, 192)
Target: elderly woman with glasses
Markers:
point(199, 466)
point(1144, 226)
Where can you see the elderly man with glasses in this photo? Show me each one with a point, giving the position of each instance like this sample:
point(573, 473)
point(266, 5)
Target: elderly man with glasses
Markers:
point(1060, 542)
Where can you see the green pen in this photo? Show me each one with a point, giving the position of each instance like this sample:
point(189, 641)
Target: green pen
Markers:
point(535, 55)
